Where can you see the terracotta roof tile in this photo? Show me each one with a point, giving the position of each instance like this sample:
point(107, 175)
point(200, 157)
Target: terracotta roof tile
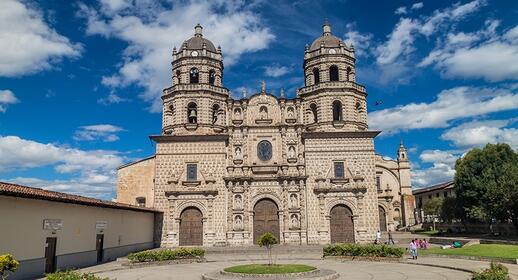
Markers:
point(15, 190)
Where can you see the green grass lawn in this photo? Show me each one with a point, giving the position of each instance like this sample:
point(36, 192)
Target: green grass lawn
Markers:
point(269, 269)
point(482, 250)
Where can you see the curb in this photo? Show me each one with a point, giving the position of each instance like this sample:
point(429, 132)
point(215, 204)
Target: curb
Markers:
point(440, 266)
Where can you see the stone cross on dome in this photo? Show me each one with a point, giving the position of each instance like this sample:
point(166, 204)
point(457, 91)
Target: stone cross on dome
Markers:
point(263, 86)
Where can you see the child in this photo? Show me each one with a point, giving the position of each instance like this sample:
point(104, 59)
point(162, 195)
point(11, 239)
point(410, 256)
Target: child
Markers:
point(413, 249)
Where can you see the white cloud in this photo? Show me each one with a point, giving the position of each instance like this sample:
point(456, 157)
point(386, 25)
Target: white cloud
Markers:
point(401, 40)
point(28, 44)
point(479, 133)
point(276, 71)
point(16, 152)
point(151, 30)
point(6, 97)
point(92, 173)
point(417, 6)
point(400, 11)
point(442, 168)
point(451, 104)
point(104, 132)
point(360, 41)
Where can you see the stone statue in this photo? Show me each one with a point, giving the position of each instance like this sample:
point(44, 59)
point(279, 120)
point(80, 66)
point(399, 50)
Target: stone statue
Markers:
point(293, 200)
point(239, 202)
point(291, 152)
point(263, 112)
point(238, 223)
point(238, 153)
point(290, 113)
point(294, 221)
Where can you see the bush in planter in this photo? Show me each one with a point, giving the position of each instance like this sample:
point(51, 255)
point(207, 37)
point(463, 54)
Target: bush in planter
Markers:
point(360, 250)
point(7, 265)
point(495, 272)
point(267, 240)
point(72, 275)
point(166, 255)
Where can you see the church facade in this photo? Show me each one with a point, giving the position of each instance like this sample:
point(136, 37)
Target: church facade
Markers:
point(227, 170)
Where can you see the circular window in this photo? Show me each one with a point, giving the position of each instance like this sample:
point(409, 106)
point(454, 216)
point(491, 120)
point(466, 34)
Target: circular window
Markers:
point(264, 150)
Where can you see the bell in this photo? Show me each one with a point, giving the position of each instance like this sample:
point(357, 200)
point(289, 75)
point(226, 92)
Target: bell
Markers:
point(192, 114)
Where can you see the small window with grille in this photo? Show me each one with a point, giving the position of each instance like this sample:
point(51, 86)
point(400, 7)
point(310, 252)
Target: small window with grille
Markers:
point(141, 201)
point(192, 171)
point(339, 170)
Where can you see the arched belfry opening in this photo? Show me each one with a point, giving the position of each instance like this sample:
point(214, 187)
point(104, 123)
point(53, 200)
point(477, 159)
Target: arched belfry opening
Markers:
point(333, 73)
point(316, 76)
point(212, 77)
point(314, 113)
point(194, 75)
point(192, 113)
point(337, 111)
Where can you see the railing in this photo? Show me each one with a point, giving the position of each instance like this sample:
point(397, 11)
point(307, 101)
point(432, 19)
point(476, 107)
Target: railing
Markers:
point(188, 87)
point(339, 84)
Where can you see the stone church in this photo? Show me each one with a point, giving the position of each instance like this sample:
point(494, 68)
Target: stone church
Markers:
point(227, 170)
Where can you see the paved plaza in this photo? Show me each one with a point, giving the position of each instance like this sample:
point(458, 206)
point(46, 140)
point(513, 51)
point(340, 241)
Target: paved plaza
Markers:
point(347, 270)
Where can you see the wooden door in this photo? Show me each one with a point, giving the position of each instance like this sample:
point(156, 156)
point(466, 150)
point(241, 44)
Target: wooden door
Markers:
point(99, 247)
point(191, 227)
point(50, 254)
point(266, 219)
point(383, 219)
point(342, 225)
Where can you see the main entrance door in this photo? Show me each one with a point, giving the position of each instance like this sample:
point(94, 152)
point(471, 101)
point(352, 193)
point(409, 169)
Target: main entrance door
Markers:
point(342, 225)
point(383, 219)
point(266, 219)
point(191, 227)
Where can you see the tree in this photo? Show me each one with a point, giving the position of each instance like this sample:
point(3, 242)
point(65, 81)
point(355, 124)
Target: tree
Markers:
point(432, 207)
point(486, 184)
point(450, 209)
point(267, 240)
point(7, 265)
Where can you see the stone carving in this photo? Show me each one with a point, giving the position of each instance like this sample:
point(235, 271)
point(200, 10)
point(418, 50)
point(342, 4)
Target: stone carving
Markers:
point(294, 221)
point(238, 154)
point(294, 202)
point(238, 223)
point(291, 152)
point(238, 203)
point(263, 112)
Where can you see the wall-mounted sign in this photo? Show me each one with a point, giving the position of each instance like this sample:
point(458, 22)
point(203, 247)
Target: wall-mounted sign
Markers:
point(101, 224)
point(52, 224)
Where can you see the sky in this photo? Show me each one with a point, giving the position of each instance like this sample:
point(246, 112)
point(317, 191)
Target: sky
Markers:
point(80, 81)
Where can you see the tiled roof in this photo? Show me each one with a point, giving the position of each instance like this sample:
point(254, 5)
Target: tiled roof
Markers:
point(441, 186)
point(8, 189)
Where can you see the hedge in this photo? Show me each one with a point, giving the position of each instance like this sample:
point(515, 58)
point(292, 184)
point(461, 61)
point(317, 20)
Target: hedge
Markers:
point(72, 275)
point(166, 255)
point(494, 272)
point(360, 250)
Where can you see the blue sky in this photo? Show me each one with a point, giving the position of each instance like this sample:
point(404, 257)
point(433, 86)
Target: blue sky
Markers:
point(80, 81)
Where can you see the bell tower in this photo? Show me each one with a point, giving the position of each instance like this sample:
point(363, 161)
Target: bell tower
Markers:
point(333, 101)
point(196, 101)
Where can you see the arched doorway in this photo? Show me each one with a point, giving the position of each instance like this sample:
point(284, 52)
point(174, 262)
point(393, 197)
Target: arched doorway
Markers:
point(191, 227)
point(383, 218)
point(342, 224)
point(266, 219)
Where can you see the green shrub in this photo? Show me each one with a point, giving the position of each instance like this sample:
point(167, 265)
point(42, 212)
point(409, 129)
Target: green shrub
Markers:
point(166, 255)
point(495, 272)
point(7, 265)
point(72, 275)
point(360, 250)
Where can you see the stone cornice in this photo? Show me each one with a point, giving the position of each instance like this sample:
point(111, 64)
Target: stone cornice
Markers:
point(191, 138)
point(343, 134)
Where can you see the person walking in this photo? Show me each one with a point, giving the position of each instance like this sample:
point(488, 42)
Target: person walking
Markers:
point(413, 249)
point(390, 239)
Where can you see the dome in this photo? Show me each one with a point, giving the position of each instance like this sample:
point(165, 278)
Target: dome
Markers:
point(196, 42)
point(327, 39)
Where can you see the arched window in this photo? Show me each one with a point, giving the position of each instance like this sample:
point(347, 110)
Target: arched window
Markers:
point(348, 73)
point(212, 77)
point(192, 113)
point(178, 78)
point(314, 114)
point(316, 75)
point(215, 113)
point(194, 76)
point(337, 111)
point(333, 73)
